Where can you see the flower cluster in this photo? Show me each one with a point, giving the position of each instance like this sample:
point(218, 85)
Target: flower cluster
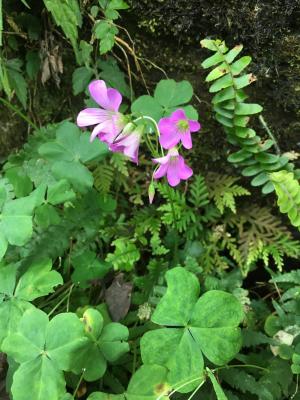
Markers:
point(124, 135)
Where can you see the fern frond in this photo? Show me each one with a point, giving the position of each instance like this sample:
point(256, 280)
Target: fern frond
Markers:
point(261, 235)
point(119, 162)
point(287, 189)
point(231, 111)
point(103, 178)
point(199, 195)
point(223, 190)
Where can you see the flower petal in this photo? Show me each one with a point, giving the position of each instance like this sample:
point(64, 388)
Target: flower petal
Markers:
point(185, 172)
point(173, 173)
point(91, 116)
point(162, 170)
point(115, 99)
point(178, 115)
point(186, 139)
point(106, 128)
point(162, 160)
point(166, 126)
point(98, 91)
point(194, 125)
point(169, 140)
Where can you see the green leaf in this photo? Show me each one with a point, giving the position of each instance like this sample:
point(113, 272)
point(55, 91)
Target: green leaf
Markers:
point(244, 80)
point(18, 83)
point(8, 274)
point(260, 179)
point(239, 156)
point(26, 343)
point(106, 396)
point(67, 15)
point(287, 189)
point(212, 60)
point(233, 53)
point(223, 95)
point(217, 72)
point(80, 79)
point(169, 93)
point(113, 75)
point(193, 326)
point(248, 109)
point(214, 326)
point(87, 267)
point(217, 388)
point(106, 343)
point(65, 337)
point(16, 221)
point(3, 245)
point(60, 192)
point(11, 312)
point(40, 378)
point(46, 215)
point(125, 256)
point(21, 182)
point(179, 314)
point(177, 350)
point(68, 151)
point(221, 83)
point(147, 105)
point(238, 66)
point(148, 383)
point(39, 280)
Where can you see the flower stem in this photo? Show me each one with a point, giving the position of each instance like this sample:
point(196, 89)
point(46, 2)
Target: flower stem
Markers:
point(17, 111)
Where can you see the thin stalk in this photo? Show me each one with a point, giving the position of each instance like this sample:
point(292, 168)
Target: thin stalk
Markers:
point(240, 366)
point(79, 383)
point(180, 387)
point(66, 297)
point(271, 136)
point(196, 390)
point(17, 111)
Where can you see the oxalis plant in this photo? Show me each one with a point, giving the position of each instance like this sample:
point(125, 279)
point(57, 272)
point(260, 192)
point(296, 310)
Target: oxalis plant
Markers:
point(190, 335)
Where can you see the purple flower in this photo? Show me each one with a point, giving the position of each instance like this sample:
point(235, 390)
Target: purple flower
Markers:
point(177, 128)
point(109, 122)
point(174, 167)
point(128, 142)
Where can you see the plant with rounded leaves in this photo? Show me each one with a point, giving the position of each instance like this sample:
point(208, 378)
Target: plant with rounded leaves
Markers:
point(192, 327)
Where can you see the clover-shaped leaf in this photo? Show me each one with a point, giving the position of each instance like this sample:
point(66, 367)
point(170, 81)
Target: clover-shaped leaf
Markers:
point(88, 267)
point(16, 219)
point(43, 349)
point(168, 96)
point(69, 151)
point(106, 343)
point(39, 280)
point(148, 383)
point(193, 327)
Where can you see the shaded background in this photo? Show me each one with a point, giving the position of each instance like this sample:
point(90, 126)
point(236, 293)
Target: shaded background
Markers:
point(168, 33)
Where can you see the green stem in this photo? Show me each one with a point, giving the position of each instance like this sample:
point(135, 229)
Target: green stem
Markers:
point(175, 224)
point(79, 383)
point(241, 366)
point(66, 297)
point(264, 124)
point(17, 111)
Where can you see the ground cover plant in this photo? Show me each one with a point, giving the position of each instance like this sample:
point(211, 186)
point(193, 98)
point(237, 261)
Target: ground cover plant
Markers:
point(130, 268)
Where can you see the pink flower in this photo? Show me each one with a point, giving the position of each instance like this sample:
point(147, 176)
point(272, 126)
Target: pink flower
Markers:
point(128, 142)
point(177, 128)
point(174, 167)
point(109, 122)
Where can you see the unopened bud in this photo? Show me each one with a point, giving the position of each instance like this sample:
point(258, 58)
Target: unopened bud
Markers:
point(151, 192)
